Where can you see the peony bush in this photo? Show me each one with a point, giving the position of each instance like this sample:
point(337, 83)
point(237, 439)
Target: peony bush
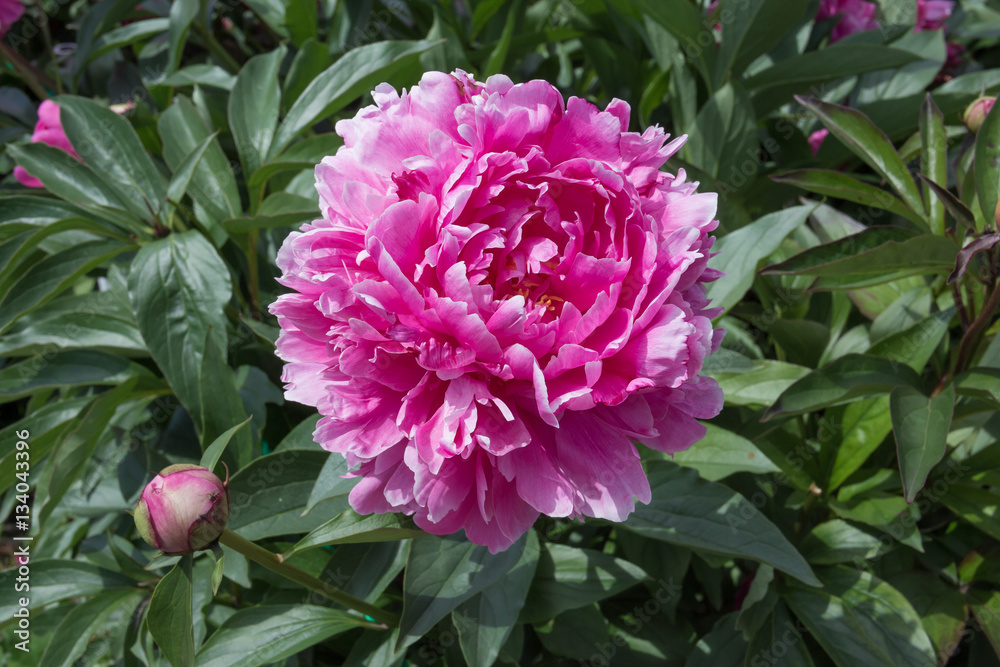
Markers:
point(611, 332)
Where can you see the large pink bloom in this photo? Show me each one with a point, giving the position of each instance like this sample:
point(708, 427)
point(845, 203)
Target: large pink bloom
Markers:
point(48, 130)
point(10, 12)
point(855, 16)
point(501, 295)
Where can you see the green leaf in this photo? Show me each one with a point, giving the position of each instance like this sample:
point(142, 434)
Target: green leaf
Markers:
point(889, 513)
point(698, 514)
point(738, 253)
point(66, 369)
point(53, 580)
point(865, 424)
point(108, 144)
point(442, 573)
point(933, 160)
point(179, 287)
point(268, 496)
point(753, 28)
point(837, 541)
point(185, 170)
point(878, 254)
point(268, 634)
point(773, 86)
point(71, 637)
point(349, 527)
point(64, 176)
point(491, 615)
point(343, 82)
point(212, 76)
point(941, 608)
point(686, 23)
point(869, 143)
point(125, 35)
point(254, 107)
point(52, 275)
point(859, 619)
point(914, 345)
point(844, 186)
point(723, 646)
point(495, 63)
point(281, 209)
point(976, 505)
point(332, 481)
point(722, 133)
point(987, 165)
point(921, 425)
point(848, 377)
point(94, 321)
point(985, 606)
point(182, 14)
point(568, 577)
point(213, 187)
point(46, 425)
point(721, 453)
point(170, 615)
point(214, 451)
point(221, 404)
point(780, 633)
point(761, 386)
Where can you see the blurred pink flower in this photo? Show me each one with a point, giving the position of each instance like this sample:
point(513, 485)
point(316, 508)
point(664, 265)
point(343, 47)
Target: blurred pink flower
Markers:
point(502, 294)
point(931, 14)
point(816, 140)
point(855, 16)
point(10, 12)
point(48, 130)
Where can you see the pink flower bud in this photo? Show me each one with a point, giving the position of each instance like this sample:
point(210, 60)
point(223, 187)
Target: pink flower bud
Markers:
point(184, 509)
point(976, 113)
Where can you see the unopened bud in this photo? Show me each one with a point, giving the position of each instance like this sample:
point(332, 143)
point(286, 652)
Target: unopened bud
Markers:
point(184, 509)
point(976, 113)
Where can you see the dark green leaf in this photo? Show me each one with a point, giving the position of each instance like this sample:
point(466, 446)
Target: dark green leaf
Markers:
point(864, 425)
point(66, 369)
point(442, 573)
point(721, 453)
point(64, 176)
point(108, 144)
point(214, 451)
point(987, 165)
point(978, 506)
point(698, 514)
point(349, 527)
point(846, 378)
point(492, 614)
point(267, 634)
point(844, 186)
point(870, 144)
point(921, 425)
point(933, 159)
point(568, 578)
point(739, 252)
point(254, 107)
point(170, 615)
point(82, 622)
point(859, 619)
point(343, 82)
point(837, 541)
point(752, 29)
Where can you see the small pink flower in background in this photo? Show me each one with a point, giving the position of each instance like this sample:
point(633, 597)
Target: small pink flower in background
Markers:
point(503, 292)
point(976, 113)
point(48, 130)
point(932, 14)
point(855, 16)
point(816, 140)
point(10, 13)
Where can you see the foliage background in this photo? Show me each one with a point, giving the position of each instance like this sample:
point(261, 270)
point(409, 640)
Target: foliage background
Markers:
point(843, 509)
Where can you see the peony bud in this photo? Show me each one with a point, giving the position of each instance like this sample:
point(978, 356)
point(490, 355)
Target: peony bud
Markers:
point(976, 113)
point(184, 509)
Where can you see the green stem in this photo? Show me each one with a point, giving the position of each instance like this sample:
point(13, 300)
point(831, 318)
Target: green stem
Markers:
point(217, 49)
point(274, 563)
point(33, 78)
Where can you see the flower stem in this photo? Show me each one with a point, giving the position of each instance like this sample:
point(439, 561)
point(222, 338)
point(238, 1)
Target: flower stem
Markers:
point(272, 562)
point(32, 76)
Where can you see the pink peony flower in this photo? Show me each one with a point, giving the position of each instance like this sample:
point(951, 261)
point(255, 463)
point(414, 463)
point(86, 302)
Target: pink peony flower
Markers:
point(502, 293)
point(10, 13)
point(48, 130)
point(816, 140)
point(855, 16)
point(931, 14)
point(185, 508)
